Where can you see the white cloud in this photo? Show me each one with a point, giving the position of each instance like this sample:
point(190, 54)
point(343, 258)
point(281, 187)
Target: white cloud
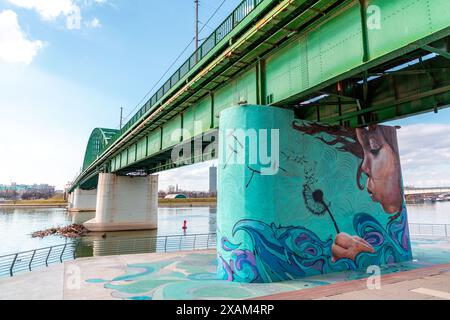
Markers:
point(93, 24)
point(73, 20)
point(14, 44)
point(425, 154)
point(50, 10)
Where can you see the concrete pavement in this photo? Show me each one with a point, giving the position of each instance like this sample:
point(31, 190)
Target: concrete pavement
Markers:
point(421, 284)
point(192, 275)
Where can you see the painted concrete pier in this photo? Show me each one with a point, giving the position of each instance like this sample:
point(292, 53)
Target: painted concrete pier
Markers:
point(299, 198)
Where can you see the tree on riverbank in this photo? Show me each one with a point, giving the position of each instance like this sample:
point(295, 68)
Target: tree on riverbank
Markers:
point(11, 195)
point(37, 195)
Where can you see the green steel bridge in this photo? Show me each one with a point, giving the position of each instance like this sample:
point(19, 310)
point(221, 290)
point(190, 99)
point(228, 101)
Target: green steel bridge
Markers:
point(344, 62)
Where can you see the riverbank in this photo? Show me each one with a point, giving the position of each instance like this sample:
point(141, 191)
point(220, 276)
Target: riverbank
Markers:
point(168, 203)
point(199, 202)
point(34, 204)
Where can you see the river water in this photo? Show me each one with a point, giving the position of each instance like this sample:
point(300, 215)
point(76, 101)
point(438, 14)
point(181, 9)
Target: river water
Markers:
point(17, 225)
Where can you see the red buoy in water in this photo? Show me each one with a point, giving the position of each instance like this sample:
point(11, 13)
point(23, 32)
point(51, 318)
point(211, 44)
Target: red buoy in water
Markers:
point(185, 225)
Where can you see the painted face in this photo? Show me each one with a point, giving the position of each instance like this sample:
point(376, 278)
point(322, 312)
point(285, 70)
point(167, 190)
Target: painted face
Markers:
point(382, 167)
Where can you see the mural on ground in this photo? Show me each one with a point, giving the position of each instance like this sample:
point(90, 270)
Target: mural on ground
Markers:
point(333, 202)
point(192, 275)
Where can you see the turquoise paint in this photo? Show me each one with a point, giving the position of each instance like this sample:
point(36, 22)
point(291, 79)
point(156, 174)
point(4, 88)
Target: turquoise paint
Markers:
point(297, 222)
point(138, 298)
point(193, 276)
point(96, 281)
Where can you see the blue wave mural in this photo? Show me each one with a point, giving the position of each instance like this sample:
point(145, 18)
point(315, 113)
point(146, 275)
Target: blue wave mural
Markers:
point(285, 253)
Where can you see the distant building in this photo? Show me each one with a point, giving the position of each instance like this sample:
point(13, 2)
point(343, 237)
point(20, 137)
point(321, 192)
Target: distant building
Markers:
point(213, 180)
point(176, 196)
point(21, 189)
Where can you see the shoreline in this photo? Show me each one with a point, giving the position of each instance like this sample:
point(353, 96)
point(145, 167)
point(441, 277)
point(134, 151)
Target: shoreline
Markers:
point(33, 206)
point(162, 203)
point(187, 204)
point(200, 202)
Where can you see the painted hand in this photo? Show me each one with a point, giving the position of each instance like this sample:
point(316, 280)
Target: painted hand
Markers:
point(347, 246)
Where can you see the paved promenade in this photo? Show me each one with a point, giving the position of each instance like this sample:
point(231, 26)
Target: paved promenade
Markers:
point(431, 283)
point(192, 275)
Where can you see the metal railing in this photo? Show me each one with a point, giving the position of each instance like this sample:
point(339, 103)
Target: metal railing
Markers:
point(29, 260)
point(153, 244)
point(21, 262)
point(229, 24)
point(422, 229)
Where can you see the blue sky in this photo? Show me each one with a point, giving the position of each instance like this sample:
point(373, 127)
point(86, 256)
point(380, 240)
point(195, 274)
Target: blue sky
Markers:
point(59, 80)
point(67, 66)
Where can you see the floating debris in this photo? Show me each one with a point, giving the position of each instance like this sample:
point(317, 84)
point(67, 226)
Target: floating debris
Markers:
point(72, 231)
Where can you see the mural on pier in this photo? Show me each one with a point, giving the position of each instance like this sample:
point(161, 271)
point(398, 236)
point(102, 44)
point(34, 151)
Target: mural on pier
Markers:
point(335, 203)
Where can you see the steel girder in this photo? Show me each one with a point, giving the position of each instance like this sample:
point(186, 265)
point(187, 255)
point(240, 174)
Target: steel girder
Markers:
point(300, 49)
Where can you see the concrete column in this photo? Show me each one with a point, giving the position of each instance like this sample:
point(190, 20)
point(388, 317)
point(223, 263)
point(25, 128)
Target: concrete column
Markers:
point(83, 200)
point(125, 203)
point(292, 198)
point(70, 201)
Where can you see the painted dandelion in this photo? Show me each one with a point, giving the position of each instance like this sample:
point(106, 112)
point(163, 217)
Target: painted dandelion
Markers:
point(315, 203)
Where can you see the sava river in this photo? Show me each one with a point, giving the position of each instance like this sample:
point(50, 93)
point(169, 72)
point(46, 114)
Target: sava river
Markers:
point(17, 225)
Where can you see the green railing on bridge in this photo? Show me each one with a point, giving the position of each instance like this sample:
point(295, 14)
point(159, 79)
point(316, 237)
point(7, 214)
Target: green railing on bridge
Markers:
point(229, 24)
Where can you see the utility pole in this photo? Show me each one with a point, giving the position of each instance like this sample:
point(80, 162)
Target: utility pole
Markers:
point(196, 24)
point(196, 30)
point(121, 117)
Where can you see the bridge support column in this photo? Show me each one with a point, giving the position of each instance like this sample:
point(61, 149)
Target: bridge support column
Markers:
point(125, 203)
point(82, 200)
point(293, 200)
point(70, 201)
point(82, 204)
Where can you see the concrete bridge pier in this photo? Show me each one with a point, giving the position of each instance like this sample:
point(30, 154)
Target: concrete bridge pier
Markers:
point(82, 204)
point(70, 201)
point(82, 200)
point(125, 203)
point(293, 198)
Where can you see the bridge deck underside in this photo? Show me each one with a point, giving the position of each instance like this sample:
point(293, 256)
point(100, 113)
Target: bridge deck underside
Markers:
point(292, 55)
point(383, 93)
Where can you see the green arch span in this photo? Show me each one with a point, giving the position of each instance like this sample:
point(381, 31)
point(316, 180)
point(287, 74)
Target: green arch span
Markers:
point(97, 142)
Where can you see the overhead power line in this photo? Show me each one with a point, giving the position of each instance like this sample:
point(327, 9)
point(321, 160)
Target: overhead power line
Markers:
point(175, 61)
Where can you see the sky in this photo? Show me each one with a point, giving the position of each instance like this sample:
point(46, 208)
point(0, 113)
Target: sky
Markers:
point(67, 66)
